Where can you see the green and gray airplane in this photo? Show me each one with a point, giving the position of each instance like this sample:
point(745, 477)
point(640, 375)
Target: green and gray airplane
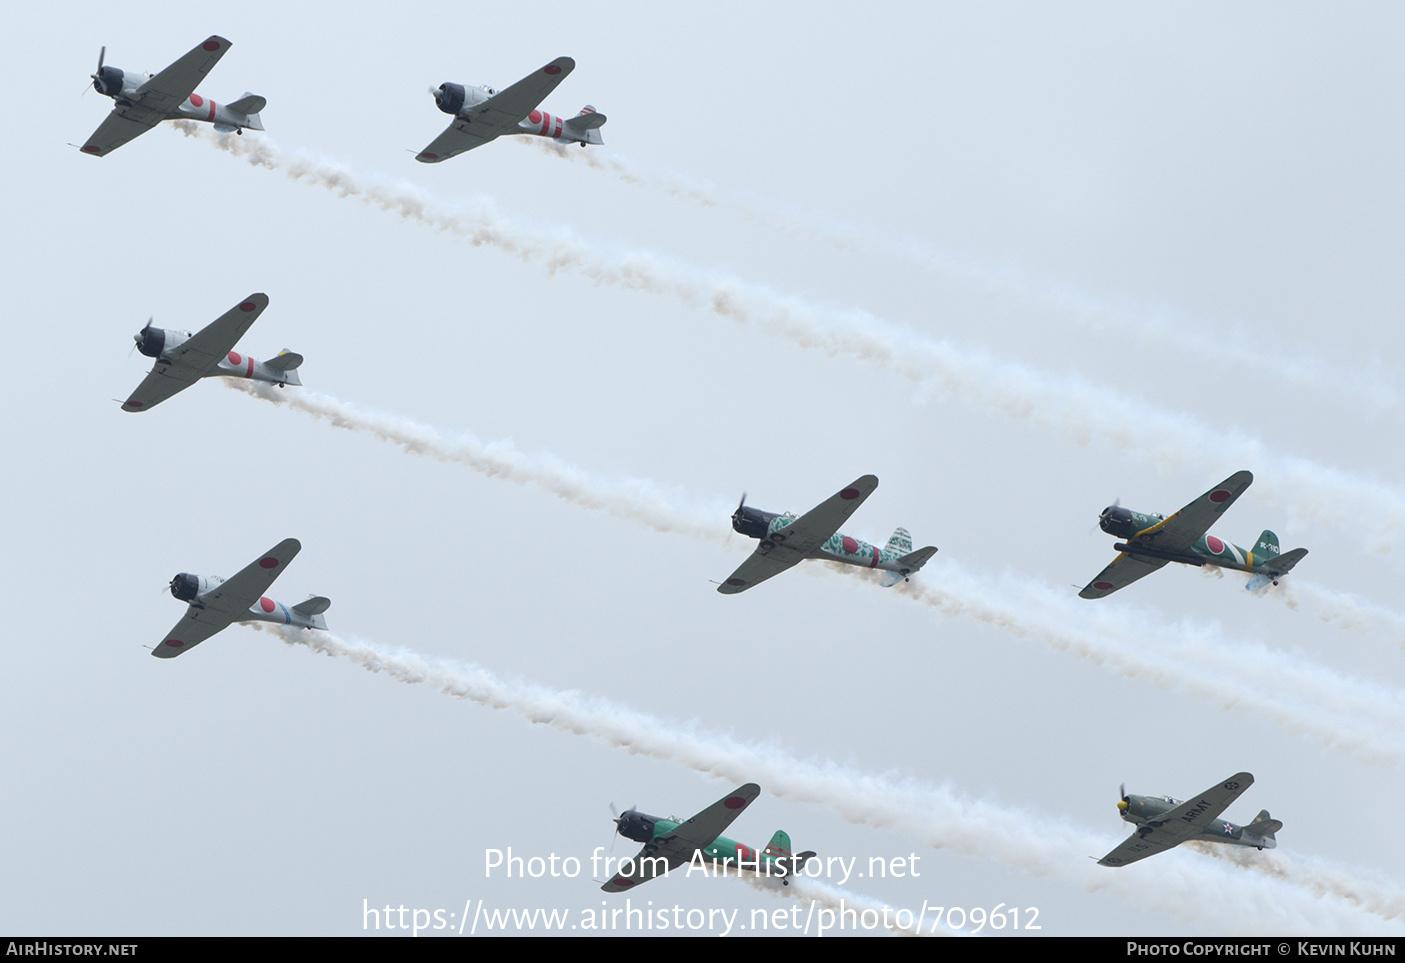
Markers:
point(1163, 822)
point(1153, 540)
point(669, 844)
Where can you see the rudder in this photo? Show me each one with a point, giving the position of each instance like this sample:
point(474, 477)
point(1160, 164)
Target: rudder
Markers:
point(1267, 545)
point(901, 542)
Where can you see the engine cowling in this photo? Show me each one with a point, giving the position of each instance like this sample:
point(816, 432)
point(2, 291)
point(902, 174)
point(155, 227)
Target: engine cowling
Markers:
point(1117, 521)
point(108, 81)
point(188, 588)
point(450, 98)
point(154, 342)
point(185, 586)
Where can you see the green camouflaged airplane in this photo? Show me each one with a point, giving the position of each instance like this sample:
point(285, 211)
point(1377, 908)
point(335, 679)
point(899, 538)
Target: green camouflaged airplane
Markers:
point(1154, 540)
point(669, 844)
point(1163, 822)
point(786, 540)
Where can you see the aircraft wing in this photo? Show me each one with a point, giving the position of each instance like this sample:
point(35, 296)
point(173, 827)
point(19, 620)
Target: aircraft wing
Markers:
point(800, 538)
point(460, 136)
point(194, 357)
point(122, 125)
point(1124, 570)
point(677, 847)
point(499, 114)
point(235, 595)
point(197, 626)
point(1183, 529)
point(1181, 823)
point(165, 91)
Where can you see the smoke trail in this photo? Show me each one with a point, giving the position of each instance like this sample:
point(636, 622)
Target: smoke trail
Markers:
point(1158, 326)
point(634, 499)
point(1187, 889)
point(901, 922)
point(1336, 711)
point(629, 172)
point(1301, 697)
point(1342, 609)
point(1317, 876)
point(1064, 403)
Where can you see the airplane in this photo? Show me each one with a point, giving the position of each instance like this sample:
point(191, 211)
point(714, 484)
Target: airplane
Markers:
point(482, 114)
point(215, 602)
point(669, 843)
point(1154, 540)
point(786, 539)
point(1163, 822)
point(183, 358)
point(144, 100)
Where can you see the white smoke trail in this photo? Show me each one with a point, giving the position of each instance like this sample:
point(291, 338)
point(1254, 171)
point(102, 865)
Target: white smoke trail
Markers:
point(845, 905)
point(1317, 876)
point(1342, 609)
point(1302, 697)
point(1065, 403)
point(1160, 327)
point(1187, 889)
point(634, 499)
point(629, 172)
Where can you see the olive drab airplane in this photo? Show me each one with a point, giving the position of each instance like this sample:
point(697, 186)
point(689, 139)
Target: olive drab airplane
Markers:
point(786, 539)
point(669, 844)
point(1163, 822)
point(183, 358)
point(482, 114)
point(1154, 540)
point(216, 603)
point(144, 100)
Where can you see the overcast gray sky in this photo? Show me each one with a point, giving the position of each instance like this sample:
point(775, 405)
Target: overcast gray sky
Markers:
point(1016, 260)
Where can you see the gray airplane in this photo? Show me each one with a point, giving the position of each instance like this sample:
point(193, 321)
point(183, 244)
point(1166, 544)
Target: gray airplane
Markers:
point(183, 358)
point(1163, 822)
point(217, 603)
point(144, 100)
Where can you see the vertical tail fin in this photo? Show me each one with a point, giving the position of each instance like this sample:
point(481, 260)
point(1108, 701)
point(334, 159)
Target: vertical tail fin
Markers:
point(1264, 826)
point(1267, 545)
point(901, 542)
point(779, 852)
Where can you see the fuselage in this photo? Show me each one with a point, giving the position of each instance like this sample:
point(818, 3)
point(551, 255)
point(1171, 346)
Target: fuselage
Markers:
point(460, 99)
point(1140, 532)
point(1147, 810)
point(769, 526)
point(195, 588)
point(123, 86)
point(160, 344)
point(772, 861)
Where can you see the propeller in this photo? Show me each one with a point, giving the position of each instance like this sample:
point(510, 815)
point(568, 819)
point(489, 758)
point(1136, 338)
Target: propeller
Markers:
point(97, 76)
point(616, 834)
point(1122, 800)
point(1116, 503)
point(137, 338)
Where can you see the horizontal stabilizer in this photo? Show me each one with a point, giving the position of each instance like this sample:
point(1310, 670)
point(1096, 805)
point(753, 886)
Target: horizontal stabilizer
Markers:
point(914, 561)
point(1264, 825)
point(586, 121)
point(313, 606)
point(285, 360)
point(248, 104)
point(1284, 563)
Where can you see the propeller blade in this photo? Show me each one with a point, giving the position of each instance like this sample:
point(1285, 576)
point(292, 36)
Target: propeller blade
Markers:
point(102, 52)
